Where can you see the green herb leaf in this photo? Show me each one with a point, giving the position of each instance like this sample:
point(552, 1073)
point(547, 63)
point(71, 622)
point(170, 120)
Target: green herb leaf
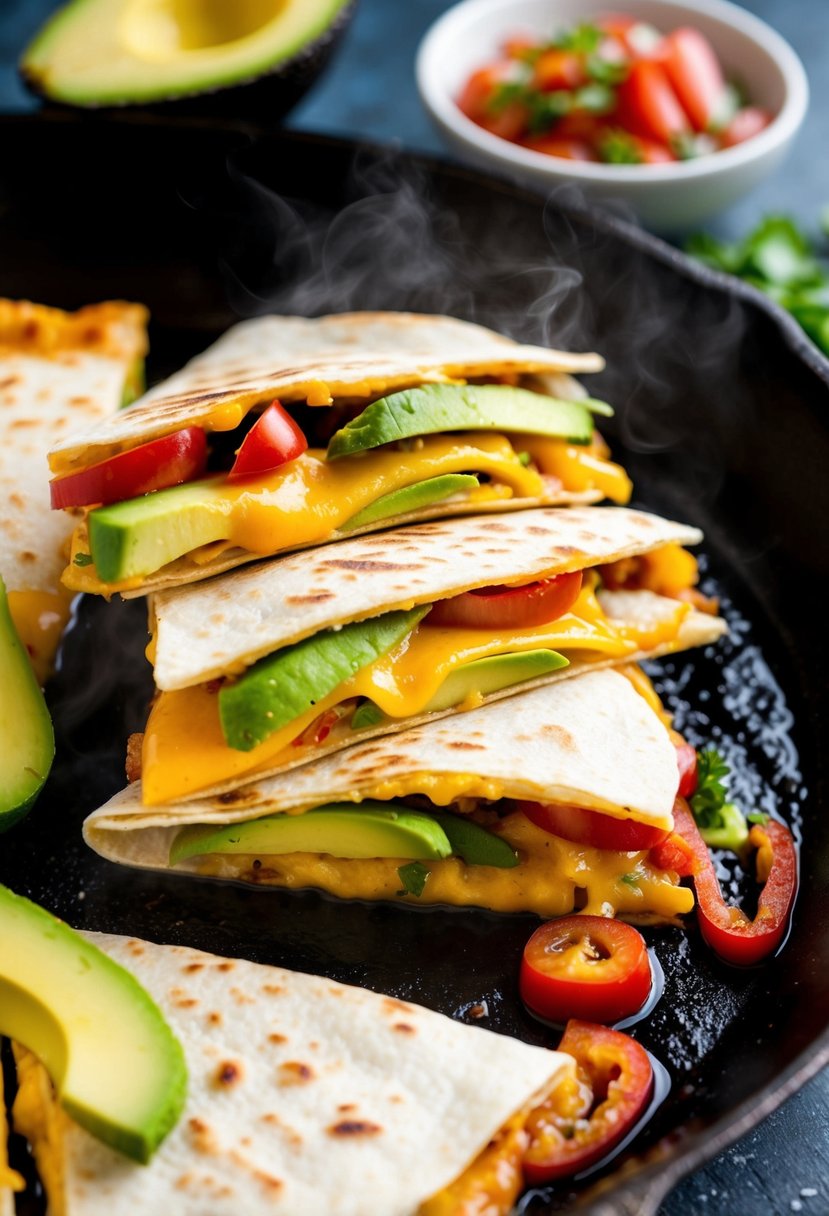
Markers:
point(707, 803)
point(778, 252)
point(413, 876)
point(632, 879)
point(606, 71)
point(83, 559)
point(584, 38)
point(759, 818)
point(524, 458)
point(618, 148)
point(594, 99)
point(505, 94)
point(547, 108)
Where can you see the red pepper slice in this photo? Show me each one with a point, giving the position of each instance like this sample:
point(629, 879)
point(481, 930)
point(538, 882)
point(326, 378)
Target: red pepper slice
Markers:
point(505, 607)
point(572, 1131)
point(585, 967)
point(156, 465)
point(726, 929)
point(272, 441)
point(686, 758)
point(592, 828)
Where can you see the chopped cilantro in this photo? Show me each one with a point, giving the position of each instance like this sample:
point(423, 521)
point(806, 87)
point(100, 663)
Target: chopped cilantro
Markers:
point(710, 798)
point(413, 876)
point(594, 99)
point(82, 559)
point(584, 38)
point(524, 458)
point(606, 71)
point(618, 148)
point(632, 879)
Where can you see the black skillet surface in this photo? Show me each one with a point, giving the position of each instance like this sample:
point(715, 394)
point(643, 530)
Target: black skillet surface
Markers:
point(721, 419)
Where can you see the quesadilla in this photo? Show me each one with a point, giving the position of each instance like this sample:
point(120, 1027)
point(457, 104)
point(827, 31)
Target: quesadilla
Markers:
point(58, 371)
point(436, 814)
point(305, 1095)
point(270, 667)
point(408, 418)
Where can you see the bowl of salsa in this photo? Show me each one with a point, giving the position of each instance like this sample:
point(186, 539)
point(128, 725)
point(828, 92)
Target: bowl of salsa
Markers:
point(674, 109)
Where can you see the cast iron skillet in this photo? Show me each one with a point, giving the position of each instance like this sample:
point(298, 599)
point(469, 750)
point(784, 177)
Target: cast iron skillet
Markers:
point(721, 419)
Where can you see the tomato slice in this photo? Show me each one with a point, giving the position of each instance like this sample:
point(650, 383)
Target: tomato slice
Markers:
point(726, 929)
point(648, 105)
point(509, 607)
point(555, 69)
point(272, 441)
point(474, 101)
point(156, 465)
point(745, 124)
point(587, 967)
point(686, 758)
point(592, 828)
point(569, 1133)
point(694, 71)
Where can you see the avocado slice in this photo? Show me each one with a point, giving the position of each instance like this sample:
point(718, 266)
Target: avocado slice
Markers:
point(435, 408)
point(341, 829)
point(109, 52)
point(136, 537)
point(412, 498)
point(280, 687)
point(474, 844)
point(27, 741)
point(117, 1066)
point(490, 675)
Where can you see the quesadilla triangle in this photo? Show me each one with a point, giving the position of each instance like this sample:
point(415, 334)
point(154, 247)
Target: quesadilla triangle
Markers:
point(59, 371)
point(305, 1095)
point(270, 667)
point(436, 814)
point(424, 417)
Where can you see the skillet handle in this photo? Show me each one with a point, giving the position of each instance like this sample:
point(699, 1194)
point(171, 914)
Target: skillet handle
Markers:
point(638, 1196)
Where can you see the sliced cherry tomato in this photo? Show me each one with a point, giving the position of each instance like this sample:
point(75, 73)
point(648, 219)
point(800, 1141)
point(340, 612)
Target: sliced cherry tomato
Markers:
point(567, 149)
point(510, 607)
point(272, 441)
point(592, 828)
point(745, 124)
point(572, 1131)
point(556, 69)
point(156, 465)
point(648, 105)
point(585, 967)
point(728, 932)
point(695, 73)
point(686, 758)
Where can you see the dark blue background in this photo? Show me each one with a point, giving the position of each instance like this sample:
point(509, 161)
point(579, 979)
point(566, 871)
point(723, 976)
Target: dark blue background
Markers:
point(370, 92)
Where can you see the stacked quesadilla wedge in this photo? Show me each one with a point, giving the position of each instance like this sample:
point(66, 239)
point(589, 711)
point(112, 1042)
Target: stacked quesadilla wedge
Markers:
point(59, 371)
point(270, 667)
point(304, 1096)
point(407, 417)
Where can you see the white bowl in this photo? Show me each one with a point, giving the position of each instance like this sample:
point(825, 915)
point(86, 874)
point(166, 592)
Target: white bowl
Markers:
point(666, 197)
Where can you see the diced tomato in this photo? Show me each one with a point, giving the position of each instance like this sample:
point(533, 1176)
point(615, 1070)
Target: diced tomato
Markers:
point(567, 149)
point(686, 758)
point(509, 607)
point(588, 967)
point(726, 929)
point(319, 730)
point(592, 828)
point(272, 441)
point(648, 105)
point(653, 153)
point(745, 124)
point(694, 71)
point(163, 462)
point(574, 1130)
point(475, 101)
point(558, 70)
point(518, 47)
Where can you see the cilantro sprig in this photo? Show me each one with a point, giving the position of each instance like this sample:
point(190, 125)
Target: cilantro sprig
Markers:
point(721, 823)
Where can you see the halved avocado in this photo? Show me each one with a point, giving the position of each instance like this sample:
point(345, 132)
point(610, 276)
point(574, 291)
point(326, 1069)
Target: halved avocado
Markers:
point(97, 53)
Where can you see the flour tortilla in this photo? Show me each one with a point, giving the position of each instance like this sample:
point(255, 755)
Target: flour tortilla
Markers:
point(207, 630)
point(58, 371)
point(591, 742)
point(357, 355)
point(415, 1096)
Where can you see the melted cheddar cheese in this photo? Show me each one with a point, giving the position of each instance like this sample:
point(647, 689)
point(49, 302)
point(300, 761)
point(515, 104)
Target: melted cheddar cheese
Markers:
point(554, 877)
point(306, 501)
point(578, 467)
point(40, 618)
point(39, 1118)
point(185, 751)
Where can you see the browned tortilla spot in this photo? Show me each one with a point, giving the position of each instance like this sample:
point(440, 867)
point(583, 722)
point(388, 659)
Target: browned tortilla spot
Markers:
point(367, 564)
point(294, 1072)
point(228, 1074)
point(404, 1028)
point(354, 1127)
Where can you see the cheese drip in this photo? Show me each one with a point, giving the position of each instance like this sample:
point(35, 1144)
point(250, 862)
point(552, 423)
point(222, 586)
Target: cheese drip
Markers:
point(40, 618)
point(185, 752)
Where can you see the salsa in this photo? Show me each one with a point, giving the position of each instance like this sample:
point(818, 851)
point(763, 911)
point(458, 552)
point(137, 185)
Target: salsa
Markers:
point(615, 91)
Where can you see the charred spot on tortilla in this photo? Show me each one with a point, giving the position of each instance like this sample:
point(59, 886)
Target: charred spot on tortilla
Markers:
point(368, 564)
point(228, 1074)
point(193, 967)
point(354, 1128)
point(275, 1037)
point(294, 1072)
point(238, 797)
point(404, 1028)
point(273, 989)
point(314, 597)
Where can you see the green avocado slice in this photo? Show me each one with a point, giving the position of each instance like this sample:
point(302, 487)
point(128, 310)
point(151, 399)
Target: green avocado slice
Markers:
point(27, 741)
point(491, 675)
point(411, 498)
point(435, 408)
point(474, 844)
point(340, 829)
point(118, 1068)
point(280, 687)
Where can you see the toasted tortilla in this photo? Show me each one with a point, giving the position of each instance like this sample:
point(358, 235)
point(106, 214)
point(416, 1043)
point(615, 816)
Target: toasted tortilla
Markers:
point(305, 1096)
point(58, 371)
point(205, 631)
point(350, 355)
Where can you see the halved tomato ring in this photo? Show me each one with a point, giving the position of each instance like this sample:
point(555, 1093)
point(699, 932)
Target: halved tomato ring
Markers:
point(592, 828)
point(503, 607)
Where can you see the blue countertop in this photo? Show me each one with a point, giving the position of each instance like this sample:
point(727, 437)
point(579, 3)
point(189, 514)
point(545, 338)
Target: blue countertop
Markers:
point(369, 92)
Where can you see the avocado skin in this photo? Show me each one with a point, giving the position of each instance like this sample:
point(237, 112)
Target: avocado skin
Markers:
point(340, 829)
point(437, 408)
point(412, 498)
point(280, 687)
point(19, 789)
point(37, 1010)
